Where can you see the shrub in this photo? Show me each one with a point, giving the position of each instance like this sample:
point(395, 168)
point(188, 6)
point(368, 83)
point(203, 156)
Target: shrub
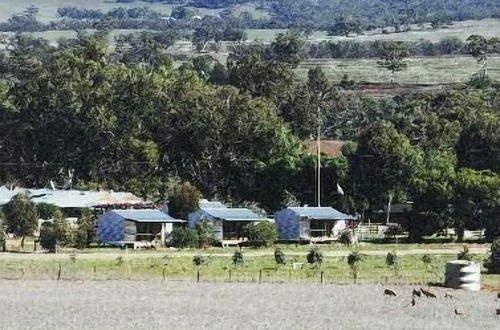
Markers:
point(315, 257)
point(48, 237)
point(279, 257)
point(263, 232)
point(238, 259)
point(2, 231)
point(182, 237)
point(391, 259)
point(198, 260)
point(46, 211)
point(81, 237)
point(346, 238)
point(87, 229)
point(427, 259)
point(204, 230)
point(63, 231)
point(493, 261)
point(56, 233)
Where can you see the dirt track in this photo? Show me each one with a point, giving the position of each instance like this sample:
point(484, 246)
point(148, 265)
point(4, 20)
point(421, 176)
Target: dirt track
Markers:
point(180, 305)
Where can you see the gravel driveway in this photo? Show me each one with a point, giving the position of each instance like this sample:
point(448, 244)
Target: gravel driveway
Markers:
point(182, 305)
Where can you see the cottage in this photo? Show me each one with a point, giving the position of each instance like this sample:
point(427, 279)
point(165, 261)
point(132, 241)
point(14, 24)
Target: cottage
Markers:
point(228, 223)
point(310, 223)
point(131, 226)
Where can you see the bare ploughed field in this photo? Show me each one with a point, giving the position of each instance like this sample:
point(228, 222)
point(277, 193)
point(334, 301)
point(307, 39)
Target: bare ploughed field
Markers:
point(184, 305)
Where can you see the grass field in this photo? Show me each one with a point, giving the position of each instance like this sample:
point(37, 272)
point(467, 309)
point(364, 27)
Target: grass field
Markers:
point(259, 266)
point(48, 8)
point(461, 30)
point(174, 305)
point(421, 70)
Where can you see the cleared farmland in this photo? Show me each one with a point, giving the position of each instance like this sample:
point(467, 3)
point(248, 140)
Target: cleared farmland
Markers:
point(130, 304)
point(420, 70)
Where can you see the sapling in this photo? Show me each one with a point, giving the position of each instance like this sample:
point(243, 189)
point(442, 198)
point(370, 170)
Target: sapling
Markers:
point(353, 260)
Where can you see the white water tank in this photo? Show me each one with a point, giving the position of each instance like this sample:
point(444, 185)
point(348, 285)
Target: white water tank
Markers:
point(463, 274)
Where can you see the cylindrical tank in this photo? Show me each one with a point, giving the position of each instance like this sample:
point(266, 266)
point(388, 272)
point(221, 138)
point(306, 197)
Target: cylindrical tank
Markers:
point(463, 274)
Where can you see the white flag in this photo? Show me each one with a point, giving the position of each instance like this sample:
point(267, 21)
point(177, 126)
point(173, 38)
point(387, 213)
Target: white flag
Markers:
point(340, 191)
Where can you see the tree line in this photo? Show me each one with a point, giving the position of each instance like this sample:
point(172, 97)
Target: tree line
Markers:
point(343, 18)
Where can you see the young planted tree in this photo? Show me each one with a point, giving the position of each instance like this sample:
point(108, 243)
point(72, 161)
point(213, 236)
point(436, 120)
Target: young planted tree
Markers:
point(21, 216)
point(392, 262)
point(238, 260)
point(394, 57)
point(353, 260)
point(279, 257)
point(315, 258)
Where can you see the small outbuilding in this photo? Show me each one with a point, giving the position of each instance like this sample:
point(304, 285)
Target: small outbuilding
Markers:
point(227, 223)
point(131, 226)
point(310, 223)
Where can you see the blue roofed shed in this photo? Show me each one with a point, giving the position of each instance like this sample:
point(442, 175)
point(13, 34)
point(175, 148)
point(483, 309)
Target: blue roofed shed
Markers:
point(125, 226)
point(227, 222)
point(310, 223)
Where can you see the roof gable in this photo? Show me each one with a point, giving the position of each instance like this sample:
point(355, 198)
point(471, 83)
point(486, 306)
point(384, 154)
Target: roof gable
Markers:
point(321, 213)
point(145, 216)
point(232, 214)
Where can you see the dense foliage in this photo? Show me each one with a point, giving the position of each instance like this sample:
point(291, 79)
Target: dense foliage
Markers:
point(125, 120)
point(21, 216)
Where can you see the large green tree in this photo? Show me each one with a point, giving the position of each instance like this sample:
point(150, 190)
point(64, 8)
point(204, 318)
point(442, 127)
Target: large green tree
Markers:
point(21, 216)
point(383, 166)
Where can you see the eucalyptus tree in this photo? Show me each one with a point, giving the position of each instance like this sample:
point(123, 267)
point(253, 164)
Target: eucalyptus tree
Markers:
point(480, 47)
point(394, 57)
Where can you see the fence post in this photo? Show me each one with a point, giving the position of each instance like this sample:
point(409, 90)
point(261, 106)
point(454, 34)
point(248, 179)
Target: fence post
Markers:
point(163, 274)
point(289, 275)
point(59, 272)
point(229, 274)
point(260, 275)
point(95, 269)
point(198, 276)
point(321, 277)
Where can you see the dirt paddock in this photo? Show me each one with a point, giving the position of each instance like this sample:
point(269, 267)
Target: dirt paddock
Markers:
point(183, 305)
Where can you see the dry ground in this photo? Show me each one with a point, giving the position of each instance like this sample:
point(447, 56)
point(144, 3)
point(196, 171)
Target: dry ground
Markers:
point(181, 305)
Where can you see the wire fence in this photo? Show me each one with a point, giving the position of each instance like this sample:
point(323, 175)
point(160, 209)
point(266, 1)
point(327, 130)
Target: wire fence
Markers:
point(74, 271)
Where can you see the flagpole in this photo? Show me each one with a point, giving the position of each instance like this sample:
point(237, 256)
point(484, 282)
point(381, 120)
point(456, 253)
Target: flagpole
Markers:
point(319, 156)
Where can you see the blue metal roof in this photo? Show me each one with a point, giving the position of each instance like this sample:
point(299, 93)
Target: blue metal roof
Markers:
point(146, 216)
point(321, 213)
point(230, 214)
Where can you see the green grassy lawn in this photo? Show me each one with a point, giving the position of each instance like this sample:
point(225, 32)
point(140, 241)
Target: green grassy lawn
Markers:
point(420, 70)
